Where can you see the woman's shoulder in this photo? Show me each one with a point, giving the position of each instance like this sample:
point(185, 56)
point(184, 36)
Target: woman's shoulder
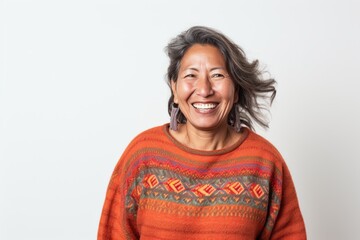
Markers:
point(150, 137)
point(141, 146)
point(260, 145)
point(151, 133)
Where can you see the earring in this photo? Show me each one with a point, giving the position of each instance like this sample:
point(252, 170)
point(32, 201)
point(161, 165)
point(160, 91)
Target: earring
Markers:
point(237, 123)
point(174, 116)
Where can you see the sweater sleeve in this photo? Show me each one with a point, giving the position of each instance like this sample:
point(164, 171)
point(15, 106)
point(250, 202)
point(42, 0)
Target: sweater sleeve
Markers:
point(118, 217)
point(288, 221)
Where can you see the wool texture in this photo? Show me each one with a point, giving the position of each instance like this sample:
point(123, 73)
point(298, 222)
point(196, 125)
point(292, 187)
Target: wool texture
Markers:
point(161, 189)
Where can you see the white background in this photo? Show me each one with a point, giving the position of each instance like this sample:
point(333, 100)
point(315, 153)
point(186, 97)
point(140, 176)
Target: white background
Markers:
point(79, 79)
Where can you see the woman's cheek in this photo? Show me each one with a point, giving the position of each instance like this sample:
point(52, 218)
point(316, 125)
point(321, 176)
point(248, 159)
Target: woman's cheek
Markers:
point(187, 88)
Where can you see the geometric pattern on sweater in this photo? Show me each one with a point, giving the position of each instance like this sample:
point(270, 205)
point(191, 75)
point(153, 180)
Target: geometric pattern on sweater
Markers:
point(244, 192)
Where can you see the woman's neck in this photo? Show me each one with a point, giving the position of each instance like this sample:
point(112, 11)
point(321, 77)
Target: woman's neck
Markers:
point(206, 140)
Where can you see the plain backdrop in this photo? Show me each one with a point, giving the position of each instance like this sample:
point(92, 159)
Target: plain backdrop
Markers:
point(80, 79)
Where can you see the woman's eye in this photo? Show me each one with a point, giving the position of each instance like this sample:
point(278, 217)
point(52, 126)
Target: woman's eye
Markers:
point(190, 76)
point(217, 75)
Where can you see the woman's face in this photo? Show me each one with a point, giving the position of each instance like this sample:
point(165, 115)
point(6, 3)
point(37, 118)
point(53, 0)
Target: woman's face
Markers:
point(204, 90)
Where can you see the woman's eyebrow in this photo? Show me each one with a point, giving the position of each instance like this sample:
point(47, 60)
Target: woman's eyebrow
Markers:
point(191, 68)
point(211, 69)
point(216, 68)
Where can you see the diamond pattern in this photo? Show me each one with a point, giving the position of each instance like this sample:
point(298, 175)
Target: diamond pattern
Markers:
point(175, 185)
point(151, 181)
point(256, 190)
point(204, 190)
point(234, 188)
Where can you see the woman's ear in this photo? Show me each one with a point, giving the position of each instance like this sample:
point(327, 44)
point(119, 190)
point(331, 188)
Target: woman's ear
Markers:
point(173, 89)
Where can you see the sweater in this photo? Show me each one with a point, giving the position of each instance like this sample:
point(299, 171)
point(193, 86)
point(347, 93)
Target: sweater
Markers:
point(161, 189)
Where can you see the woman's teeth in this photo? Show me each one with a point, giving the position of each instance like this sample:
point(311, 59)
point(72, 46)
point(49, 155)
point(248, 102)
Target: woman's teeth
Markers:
point(204, 105)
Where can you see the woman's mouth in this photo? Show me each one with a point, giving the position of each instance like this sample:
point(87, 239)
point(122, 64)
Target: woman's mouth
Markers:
point(204, 107)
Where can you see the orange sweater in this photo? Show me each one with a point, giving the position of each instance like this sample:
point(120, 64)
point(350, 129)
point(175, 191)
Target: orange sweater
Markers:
point(161, 189)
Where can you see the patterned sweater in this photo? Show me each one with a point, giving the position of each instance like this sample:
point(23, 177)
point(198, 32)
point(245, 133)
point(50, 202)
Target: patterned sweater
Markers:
point(161, 189)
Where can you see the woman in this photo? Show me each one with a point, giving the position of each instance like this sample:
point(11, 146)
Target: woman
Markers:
point(206, 175)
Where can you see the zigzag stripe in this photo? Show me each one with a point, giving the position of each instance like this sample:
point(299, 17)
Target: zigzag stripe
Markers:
point(212, 211)
point(161, 154)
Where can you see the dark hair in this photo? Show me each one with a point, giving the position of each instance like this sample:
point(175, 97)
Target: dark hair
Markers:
point(246, 76)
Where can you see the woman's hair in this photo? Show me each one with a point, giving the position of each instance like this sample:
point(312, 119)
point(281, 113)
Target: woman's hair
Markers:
point(253, 91)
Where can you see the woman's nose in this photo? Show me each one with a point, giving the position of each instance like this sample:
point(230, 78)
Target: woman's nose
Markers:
point(204, 87)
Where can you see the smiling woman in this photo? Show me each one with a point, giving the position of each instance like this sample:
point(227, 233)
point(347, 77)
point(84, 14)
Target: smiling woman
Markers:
point(206, 175)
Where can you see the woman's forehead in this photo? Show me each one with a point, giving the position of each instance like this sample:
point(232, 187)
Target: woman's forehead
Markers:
point(199, 55)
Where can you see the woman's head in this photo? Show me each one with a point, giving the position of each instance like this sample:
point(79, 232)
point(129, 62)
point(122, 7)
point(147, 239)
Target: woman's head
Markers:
point(245, 76)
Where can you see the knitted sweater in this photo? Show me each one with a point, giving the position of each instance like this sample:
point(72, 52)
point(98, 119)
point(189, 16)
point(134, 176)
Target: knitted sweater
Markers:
point(161, 189)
